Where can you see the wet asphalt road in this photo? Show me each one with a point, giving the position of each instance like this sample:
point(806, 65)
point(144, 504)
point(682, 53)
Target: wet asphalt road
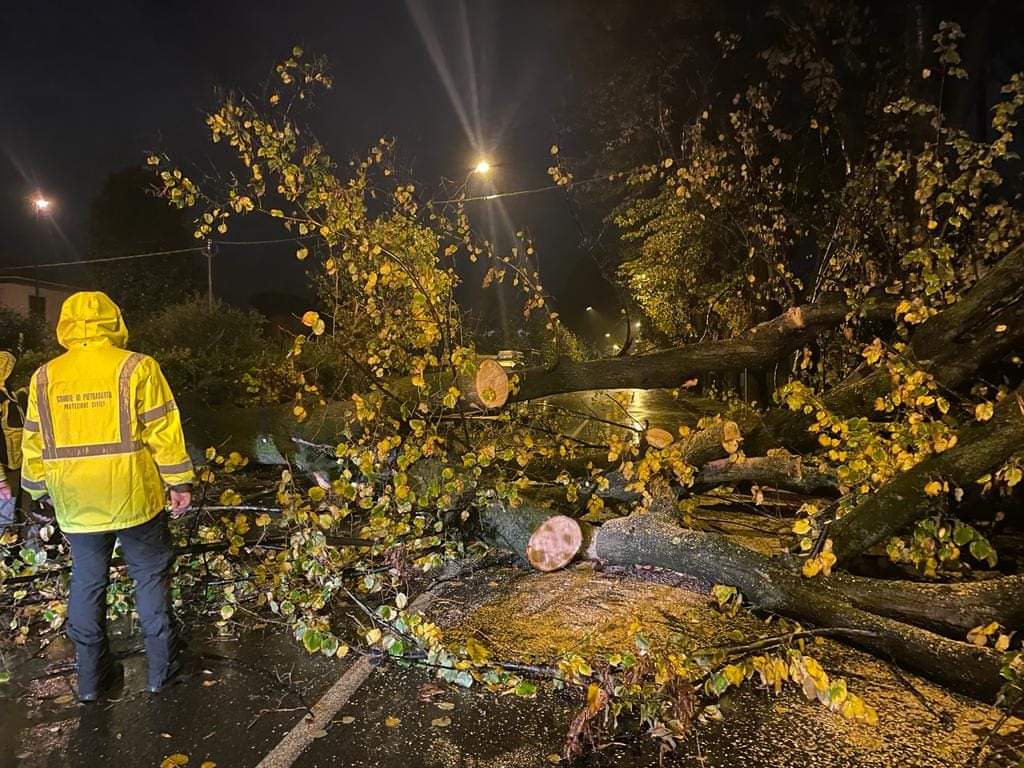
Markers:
point(241, 702)
point(233, 710)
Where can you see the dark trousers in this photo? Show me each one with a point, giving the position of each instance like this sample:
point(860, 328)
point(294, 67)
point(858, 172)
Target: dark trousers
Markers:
point(148, 553)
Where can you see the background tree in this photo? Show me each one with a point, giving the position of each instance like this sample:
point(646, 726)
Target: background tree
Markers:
point(127, 217)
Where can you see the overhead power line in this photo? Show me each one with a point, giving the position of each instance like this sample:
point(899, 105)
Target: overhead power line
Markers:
point(201, 249)
point(125, 257)
point(519, 192)
point(106, 259)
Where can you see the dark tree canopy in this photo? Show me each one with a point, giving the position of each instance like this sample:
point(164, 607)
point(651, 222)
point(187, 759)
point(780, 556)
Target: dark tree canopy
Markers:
point(126, 218)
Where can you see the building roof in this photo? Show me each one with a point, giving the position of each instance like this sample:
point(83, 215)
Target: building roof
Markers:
point(31, 281)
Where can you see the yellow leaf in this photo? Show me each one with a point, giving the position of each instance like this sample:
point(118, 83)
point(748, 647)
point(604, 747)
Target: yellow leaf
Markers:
point(983, 411)
point(391, 721)
point(934, 488)
point(477, 652)
point(172, 760)
point(302, 253)
point(733, 674)
point(802, 526)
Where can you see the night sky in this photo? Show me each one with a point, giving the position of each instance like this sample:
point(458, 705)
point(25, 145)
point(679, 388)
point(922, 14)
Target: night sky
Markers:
point(88, 88)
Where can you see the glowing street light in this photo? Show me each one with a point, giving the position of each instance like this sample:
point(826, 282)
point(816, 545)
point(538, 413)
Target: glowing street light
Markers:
point(483, 168)
point(41, 204)
point(590, 309)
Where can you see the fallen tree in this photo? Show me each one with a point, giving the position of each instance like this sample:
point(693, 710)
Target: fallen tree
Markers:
point(761, 345)
point(902, 501)
point(986, 324)
point(270, 434)
point(652, 538)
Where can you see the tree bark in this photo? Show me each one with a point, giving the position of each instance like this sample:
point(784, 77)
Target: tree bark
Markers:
point(546, 540)
point(980, 446)
point(948, 609)
point(779, 470)
point(951, 345)
point(651, 538)
point(757, 348)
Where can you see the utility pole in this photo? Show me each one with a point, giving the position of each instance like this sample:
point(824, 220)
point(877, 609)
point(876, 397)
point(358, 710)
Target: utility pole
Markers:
point(208, 252)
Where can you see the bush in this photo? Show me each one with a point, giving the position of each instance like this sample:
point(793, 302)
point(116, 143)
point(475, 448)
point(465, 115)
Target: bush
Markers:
point(217, 355)
point(28, 339)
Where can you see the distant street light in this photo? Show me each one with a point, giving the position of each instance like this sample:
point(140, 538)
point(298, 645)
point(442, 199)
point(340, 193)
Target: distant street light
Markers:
point(636, 324)
point(590, 309)
point(607, 335)
point(483, 168)
point(41, 204)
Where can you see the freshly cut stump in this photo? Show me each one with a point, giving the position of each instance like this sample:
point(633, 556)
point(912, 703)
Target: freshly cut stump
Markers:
point(554, 543)
point(488, 387)
point(659, 438)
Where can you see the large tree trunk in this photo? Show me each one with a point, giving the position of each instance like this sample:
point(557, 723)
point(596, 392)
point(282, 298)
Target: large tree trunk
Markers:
point(948, 609)
point(651, 538)
point(780, 471)
point(902, 501)
point(761, 345)
point(951, 346)
point(267, 434)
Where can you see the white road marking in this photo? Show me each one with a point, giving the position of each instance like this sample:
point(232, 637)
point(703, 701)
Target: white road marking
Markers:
point(291, 747)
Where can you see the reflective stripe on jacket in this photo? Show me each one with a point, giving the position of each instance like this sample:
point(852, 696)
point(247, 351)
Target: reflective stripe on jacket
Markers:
point(102, 435)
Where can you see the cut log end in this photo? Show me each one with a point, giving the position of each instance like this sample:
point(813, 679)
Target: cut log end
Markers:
point(490, 384)
point(554, 543)
point(658, 438)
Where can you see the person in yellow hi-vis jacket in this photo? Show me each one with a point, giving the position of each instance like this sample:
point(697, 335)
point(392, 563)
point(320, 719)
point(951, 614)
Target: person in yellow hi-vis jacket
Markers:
point(102, 443)
point(12, 418)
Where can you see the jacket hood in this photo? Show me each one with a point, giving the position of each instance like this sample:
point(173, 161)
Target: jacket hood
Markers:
point(7, 361)
point(90, 317)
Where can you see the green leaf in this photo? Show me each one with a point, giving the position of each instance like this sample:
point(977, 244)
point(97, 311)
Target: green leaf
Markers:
point(526, 689)
point(962, 534)
point(311, 640)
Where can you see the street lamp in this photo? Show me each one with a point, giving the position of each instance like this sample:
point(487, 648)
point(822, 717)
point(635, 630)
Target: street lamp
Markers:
point(41, 204)
point(482, 168)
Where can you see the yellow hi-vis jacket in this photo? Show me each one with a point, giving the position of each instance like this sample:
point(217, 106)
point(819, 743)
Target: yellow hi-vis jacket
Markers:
point(102, 434)
point(10, 423)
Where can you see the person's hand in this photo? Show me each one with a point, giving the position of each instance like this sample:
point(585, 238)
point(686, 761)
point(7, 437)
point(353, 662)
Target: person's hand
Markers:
point(5, 491)
point(180, 502)
point(42, 512)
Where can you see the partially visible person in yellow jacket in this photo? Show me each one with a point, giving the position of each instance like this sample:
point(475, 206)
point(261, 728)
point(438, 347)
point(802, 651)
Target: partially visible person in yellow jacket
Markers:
point(12, 418)
point(103, 444)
